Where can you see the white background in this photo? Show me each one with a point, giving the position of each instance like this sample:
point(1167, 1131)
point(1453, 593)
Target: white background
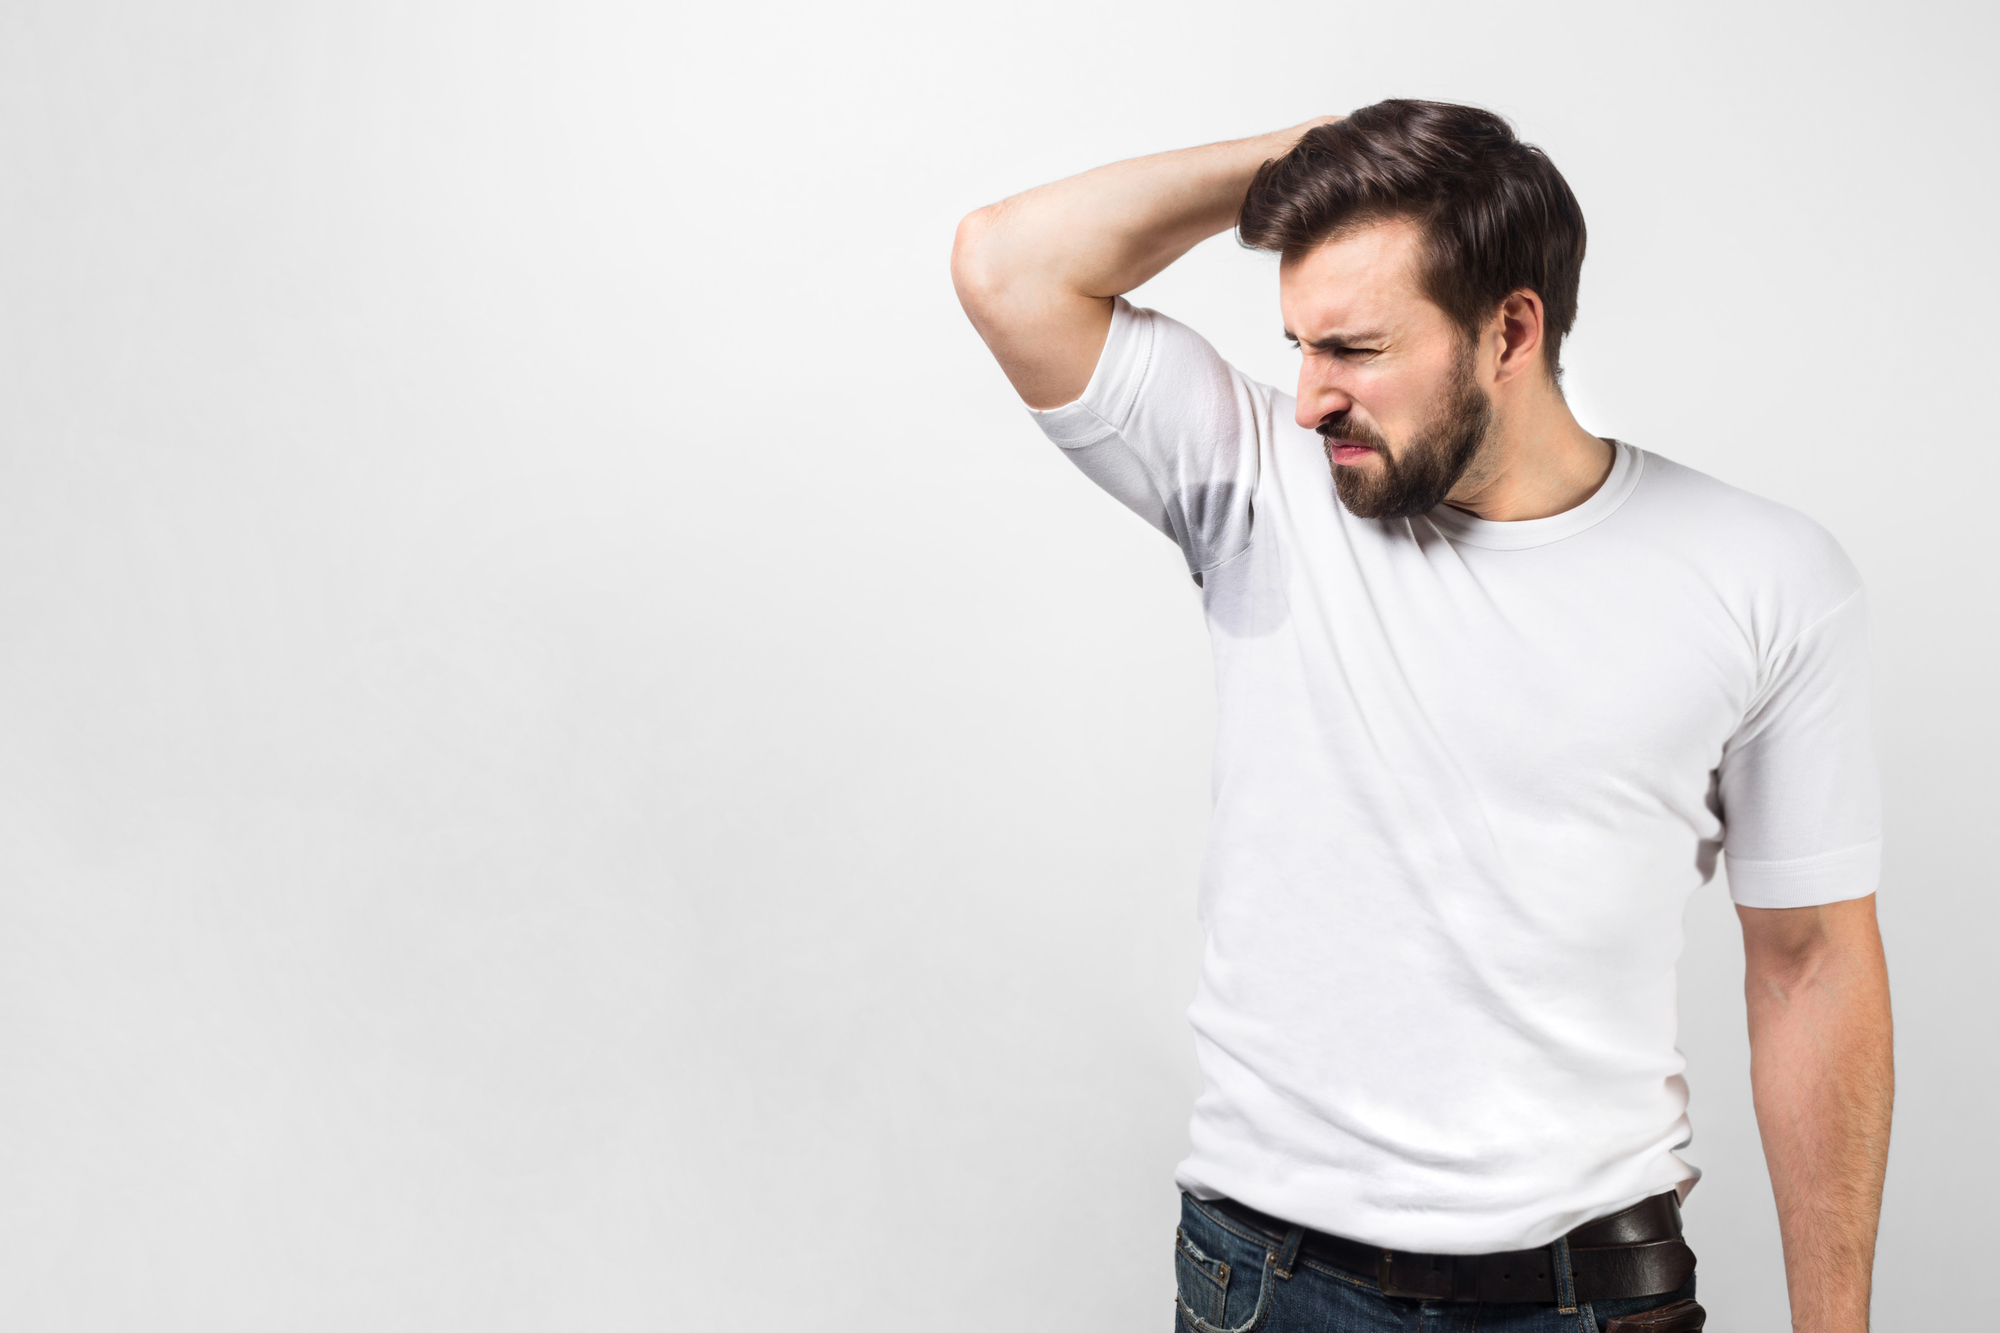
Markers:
point(569, 758)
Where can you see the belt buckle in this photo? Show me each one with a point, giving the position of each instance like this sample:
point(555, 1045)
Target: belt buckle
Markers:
point(1402, 1275)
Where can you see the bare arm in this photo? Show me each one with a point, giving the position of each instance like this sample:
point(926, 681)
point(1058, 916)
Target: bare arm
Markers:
point(1036, 273)
point(1823, 1078)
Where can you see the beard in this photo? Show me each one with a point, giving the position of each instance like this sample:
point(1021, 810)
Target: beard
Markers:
point(1415, 479)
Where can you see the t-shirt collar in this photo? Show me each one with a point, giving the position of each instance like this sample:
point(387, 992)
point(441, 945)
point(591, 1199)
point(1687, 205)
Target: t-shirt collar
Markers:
point(1459, 526)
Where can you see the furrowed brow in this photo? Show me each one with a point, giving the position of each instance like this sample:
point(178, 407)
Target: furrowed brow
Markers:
point(1337, 342)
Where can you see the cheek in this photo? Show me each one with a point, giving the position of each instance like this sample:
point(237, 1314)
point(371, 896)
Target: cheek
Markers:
point(1376, 398)
point(1394, 397)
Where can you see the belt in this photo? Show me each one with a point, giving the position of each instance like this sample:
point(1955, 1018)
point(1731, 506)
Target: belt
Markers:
point(1636, 1251)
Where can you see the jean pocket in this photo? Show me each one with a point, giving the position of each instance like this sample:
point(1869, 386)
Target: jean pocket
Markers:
point(1201, 1284)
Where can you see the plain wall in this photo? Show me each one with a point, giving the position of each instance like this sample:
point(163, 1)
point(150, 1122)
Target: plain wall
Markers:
point(570, 759)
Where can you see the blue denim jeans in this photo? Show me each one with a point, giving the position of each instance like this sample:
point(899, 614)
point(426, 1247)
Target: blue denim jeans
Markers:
point(1226, 1281)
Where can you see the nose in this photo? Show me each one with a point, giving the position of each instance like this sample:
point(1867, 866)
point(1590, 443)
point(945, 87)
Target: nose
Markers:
point(1318, 399)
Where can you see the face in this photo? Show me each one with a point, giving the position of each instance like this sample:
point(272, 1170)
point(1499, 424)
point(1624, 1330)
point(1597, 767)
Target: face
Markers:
point(1387, 379)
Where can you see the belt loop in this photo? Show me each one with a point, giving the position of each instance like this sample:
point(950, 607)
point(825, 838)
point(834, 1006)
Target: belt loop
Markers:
point(1565, 1278)
point(1288, 1254)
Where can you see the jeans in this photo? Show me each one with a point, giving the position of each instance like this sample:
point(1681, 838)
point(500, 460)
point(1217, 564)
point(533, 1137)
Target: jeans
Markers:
point(1226, 1281)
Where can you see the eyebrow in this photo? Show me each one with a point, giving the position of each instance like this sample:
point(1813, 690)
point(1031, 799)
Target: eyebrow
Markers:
point(1335, 342)
point(1341, 341)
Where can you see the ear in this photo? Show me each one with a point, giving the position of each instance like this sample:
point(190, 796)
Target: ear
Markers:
point(1520, 328)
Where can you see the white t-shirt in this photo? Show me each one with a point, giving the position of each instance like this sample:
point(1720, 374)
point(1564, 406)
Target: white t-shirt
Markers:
point(1466, 776)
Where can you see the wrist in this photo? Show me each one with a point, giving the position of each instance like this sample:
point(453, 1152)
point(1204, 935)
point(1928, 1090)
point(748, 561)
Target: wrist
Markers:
point(1279, 142)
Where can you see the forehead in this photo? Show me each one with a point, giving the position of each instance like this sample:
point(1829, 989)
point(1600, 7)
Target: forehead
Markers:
point(1364, 279)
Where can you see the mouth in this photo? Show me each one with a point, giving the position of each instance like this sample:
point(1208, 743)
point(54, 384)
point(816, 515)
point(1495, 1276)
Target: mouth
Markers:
point(1343, 449)
point(1347, 452)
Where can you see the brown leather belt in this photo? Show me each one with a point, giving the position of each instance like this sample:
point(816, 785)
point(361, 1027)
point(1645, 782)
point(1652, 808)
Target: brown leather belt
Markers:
point(1637, 1251)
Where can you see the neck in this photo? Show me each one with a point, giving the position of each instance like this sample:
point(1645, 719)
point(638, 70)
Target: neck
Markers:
point(1536, 461)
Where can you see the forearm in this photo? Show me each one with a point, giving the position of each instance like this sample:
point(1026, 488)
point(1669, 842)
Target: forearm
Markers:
point(1821, 1072)
point(1036, 272)
point(1106, 231)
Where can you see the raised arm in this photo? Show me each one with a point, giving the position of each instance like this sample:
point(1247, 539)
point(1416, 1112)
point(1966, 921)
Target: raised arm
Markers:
point(1822, 1076)
point(1036, 273)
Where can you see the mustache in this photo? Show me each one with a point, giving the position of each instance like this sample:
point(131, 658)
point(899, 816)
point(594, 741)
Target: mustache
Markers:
point(1338, 427)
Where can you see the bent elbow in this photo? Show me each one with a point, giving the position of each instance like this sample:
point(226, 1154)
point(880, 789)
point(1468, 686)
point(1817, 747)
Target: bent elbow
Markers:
point(973, 272)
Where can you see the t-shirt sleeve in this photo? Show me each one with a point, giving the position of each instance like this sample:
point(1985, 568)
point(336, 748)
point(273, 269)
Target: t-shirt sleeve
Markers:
point(1801, 801)
point(1172, 430)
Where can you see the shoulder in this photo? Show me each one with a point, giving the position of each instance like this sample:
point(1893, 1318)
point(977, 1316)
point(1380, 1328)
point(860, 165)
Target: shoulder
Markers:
point(1170, 377)
point(1766, 548)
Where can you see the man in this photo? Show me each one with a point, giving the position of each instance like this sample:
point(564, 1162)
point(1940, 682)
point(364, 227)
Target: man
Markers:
point(1494, 696)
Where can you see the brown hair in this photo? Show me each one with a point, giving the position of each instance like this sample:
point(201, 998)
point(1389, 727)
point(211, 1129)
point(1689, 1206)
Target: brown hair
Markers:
point(1496, 214)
